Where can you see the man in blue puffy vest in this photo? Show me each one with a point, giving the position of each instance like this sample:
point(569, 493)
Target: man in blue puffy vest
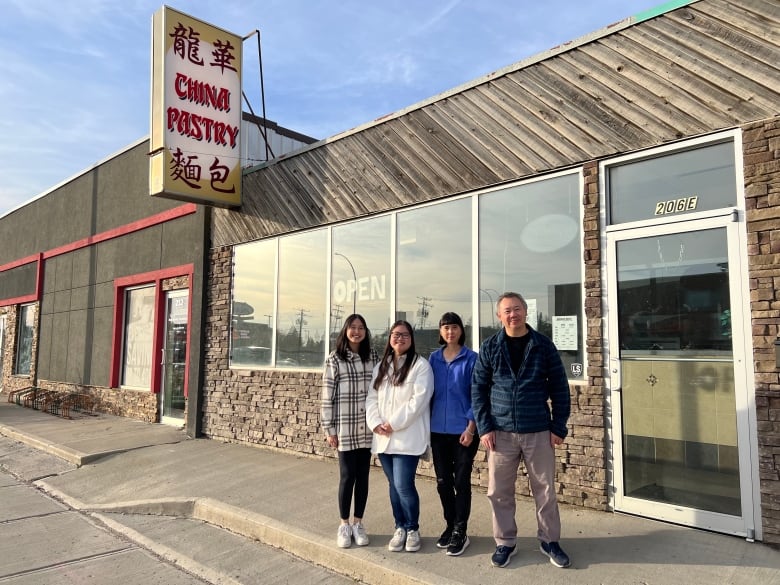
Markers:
point(521, 401)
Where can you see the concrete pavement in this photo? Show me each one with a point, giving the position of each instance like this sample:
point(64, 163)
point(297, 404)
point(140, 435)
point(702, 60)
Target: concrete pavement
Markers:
point(165, 492)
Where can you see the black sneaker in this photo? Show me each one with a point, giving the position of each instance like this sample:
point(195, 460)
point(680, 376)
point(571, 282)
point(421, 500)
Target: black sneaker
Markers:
point(502, 555)
point(556, 554)
point(459, 541)
point(444, 539)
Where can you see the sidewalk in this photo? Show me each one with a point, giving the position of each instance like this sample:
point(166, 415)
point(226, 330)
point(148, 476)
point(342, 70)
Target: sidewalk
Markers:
point(132, 473)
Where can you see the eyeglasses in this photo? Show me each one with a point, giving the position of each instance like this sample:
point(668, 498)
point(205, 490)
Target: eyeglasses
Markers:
point(398, 336)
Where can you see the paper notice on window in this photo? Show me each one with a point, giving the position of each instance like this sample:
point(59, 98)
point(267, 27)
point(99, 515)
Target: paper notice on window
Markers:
point(565, 332)
point(532, 316)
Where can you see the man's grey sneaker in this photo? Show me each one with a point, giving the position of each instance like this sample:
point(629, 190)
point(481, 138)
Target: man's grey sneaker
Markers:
point(459, 541)
point(556, 554)
point(344, 536)
point(413, 542)
point(398, 541)
point(502, 555)
point(359, 534)
point(444, 539)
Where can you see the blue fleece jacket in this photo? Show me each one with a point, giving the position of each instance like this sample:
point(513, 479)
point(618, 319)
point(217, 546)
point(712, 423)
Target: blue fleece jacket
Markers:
point(451, 403)
point(519, 404)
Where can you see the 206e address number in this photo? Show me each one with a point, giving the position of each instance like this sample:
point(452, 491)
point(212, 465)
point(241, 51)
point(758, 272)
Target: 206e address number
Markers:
point(676, 205)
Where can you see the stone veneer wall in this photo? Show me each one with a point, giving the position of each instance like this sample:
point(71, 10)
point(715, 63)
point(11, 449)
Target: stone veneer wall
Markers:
point(761, 144)
point(279, 409)
point(10, 380)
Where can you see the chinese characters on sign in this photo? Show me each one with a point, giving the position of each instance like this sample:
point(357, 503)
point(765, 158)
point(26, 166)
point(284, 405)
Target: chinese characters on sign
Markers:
point(196, 111)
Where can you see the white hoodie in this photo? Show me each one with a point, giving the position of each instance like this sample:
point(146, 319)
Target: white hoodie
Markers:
point(405, 407)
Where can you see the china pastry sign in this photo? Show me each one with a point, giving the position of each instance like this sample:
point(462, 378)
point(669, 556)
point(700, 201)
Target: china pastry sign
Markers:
point(196, 111)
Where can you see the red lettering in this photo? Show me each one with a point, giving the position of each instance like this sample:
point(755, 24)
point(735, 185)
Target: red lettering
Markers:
point(201, 128)
point(200, 93)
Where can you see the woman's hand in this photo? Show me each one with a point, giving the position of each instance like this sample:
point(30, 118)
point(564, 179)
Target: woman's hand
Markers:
point(332, 440)
point(384, 429)
point(466, 437)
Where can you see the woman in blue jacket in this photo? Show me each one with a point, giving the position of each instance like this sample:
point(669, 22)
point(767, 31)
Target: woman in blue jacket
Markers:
point(453, 440)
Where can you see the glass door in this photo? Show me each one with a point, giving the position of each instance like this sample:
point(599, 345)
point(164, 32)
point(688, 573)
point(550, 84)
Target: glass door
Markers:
point(174, 361)
point(678, 377)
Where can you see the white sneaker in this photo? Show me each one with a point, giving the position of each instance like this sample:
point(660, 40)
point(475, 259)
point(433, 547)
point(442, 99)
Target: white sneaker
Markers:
point(413, 542)
point(359, 534)
point(344, 536)
point(396, 543)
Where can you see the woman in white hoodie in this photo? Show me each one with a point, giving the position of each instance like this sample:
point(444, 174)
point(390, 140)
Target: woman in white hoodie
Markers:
point(398, 411)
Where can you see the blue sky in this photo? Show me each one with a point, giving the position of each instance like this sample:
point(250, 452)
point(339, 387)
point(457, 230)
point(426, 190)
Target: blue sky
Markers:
point(74, 74)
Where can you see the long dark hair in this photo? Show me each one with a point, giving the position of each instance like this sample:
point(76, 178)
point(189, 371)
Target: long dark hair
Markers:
point(452, 319)
point(411, 356)
point(342, 341)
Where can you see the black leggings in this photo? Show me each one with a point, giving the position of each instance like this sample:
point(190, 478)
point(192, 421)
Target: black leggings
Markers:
point(353, 469)
point(453, 464)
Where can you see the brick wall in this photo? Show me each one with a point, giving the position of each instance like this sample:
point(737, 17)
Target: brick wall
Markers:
point(761, 144)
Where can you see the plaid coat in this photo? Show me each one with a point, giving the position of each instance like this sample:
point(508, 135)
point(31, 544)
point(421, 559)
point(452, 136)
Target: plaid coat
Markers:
point(343, 410)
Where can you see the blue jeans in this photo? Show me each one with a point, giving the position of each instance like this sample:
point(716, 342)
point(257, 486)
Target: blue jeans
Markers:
point(401, 471)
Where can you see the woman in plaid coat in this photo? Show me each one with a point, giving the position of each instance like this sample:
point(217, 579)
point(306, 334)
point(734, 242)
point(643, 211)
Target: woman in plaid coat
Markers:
point(345, 381)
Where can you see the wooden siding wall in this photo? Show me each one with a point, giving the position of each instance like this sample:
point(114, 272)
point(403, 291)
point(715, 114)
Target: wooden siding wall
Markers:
point(704, 67)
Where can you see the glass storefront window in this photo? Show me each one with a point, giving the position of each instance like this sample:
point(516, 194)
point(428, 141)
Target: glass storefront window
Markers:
point(360, 277)
point(301, 324)
point(434, 269)
point(252, 308)
point(139, 337)
point(531, 243)
point(24, 339)
point(677, 183)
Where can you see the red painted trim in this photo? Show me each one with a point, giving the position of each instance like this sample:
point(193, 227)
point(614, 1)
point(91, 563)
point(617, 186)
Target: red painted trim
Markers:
point(124, 230)
point(155, 279)
point(18, 300)
point(141, 224)
point(116, 332)
point(20, 262)
point(189, 335)
point(39, 277)
point(158, 336)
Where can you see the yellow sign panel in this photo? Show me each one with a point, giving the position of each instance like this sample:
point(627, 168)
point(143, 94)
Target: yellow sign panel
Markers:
point(196, 111)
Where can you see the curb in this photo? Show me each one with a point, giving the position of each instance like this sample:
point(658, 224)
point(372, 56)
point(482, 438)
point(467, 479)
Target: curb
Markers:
point(371, 567)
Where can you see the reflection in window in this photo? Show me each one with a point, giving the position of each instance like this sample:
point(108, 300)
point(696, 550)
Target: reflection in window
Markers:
point(252, 323)
point(139, 336)
point(434, 269)
point(360, 276)
point(301, 324)
point(683, 182)
point(530, 243)
point(673, 295)
point(24, 339)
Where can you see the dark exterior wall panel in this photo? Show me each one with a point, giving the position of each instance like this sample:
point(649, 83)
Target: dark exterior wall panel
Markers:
point(80, 339)
point(58, 357)
point(82, 298)
point(98, 363)
point(135, 253)
point(61, 301)
point(44, 344)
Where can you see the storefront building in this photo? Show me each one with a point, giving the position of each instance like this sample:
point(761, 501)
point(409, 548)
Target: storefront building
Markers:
point(101, 289)
point(627, 184)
